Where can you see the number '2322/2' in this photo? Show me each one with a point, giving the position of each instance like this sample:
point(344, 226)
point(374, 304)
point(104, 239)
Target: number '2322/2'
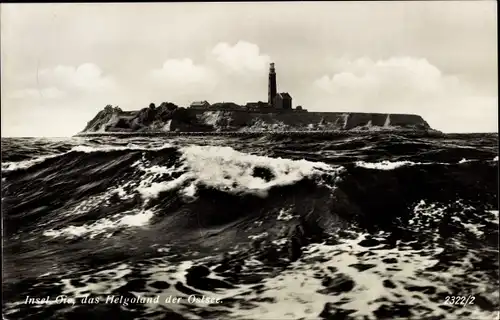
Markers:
point(460, 300)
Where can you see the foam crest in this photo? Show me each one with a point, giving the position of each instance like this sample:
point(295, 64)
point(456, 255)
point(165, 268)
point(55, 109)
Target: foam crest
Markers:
point(391, 165)
point(149, 189)
point(385, 165)
point(101, 226)
point(25, 164)
point(286, 215)
point(130, 146)
point(226, 169)
point(493, 218)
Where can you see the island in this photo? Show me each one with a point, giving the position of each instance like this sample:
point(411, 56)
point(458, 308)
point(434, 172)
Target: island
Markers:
point(275, 115)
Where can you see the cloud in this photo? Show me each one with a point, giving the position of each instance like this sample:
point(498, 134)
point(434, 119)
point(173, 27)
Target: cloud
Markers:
point(181, 81)
point(62, 81)
point(182, 72)
point(64, 95)
point(226, 66)
point(406, 85)
point(397, 84)
point(242, 57)
point(404, 76)
point(87, 77)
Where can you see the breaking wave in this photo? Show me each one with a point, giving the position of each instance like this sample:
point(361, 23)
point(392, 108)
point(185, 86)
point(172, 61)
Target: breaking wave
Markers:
point(281, 229)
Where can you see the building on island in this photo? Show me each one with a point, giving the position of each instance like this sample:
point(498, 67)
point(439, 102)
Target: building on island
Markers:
point(272, 89)
point(275, 101)
point(283, 101)
point(256, 106)
point(226, 106)
point(200, 104)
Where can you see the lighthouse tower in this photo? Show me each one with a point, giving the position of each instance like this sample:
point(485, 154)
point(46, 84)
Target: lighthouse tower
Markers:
point(272, 86)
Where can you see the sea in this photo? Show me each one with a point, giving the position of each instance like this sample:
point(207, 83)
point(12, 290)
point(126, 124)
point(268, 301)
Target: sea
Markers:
point(367, 225)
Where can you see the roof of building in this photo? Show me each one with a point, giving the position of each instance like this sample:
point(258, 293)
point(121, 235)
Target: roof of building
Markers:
point(199, 103)
point(285, 95)
point(256, 103)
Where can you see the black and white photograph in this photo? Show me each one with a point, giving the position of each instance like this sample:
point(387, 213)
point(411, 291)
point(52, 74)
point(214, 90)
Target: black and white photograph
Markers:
point(292, 160)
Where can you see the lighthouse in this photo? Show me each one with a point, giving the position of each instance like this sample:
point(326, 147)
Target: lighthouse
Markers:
point(272, 85)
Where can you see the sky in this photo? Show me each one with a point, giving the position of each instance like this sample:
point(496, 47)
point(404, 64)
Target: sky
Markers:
point(62, 63)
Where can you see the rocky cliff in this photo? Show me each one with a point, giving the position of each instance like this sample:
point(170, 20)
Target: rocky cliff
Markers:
point(169, 117)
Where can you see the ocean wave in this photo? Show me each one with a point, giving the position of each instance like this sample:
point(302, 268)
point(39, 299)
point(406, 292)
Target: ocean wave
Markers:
point(120, 179)
point(25, 164)
point(317, 235)
point(228, 170)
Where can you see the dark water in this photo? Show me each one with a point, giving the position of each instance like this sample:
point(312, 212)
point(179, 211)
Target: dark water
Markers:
point(366, 226)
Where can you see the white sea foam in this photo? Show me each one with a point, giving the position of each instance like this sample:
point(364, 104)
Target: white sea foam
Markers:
point(425, 215)
point(295, 291)
point(88, 204)
point(103, 225)
point(107, 281)
point(24, 164)
point(71, 231)
point(136, 220)
point(494, 216)
point(285, 215)
point(391, 165)
point(259, 236)
point(130, 146)
point(149, 189)
point(226, 169)
point(385, 165)
point(222, 168)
